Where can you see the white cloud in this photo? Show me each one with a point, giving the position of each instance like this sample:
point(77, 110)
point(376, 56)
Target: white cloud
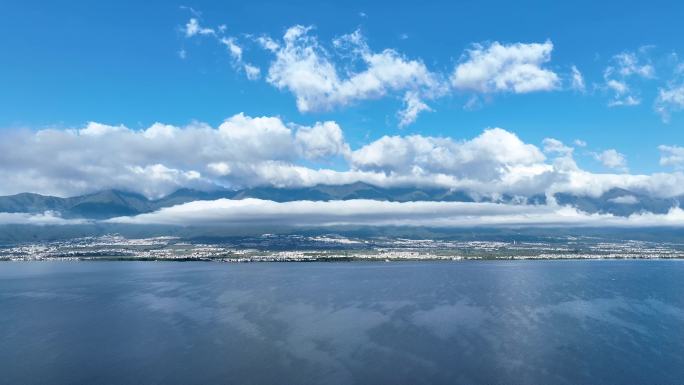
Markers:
point(672, 156)
point(563, 161)
point(628, 64)
point(623, 67)
point(161, 158)
point(230, 42)
point(252, 72)
point(156, 173)
point(193, 28)
point(305, 68)
point(491, 153)
point(324, 77)
point(413, 106)
point(219, 168)
point(626, 101)
point(256, 138)
point(99, 129)
point(669, 99)
point(46, 218)
point(555, 146)
point(612, 159)
point(514, 68)
point(621, 94)
point(617, 86)
point(323, 140)
point(192, 10)
point(233, 48)
point(268, 43)
point(577, 80)
point(373, 212)
point(625, 200)
point(580, 143)
point(494, 162)
point(250, 151)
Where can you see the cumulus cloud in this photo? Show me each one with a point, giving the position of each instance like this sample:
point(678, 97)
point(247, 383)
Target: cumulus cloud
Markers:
point(249, 151)
point(326, 76)
point(323, 80)
point(304, 67)
point(514, 68)
point(494, 156)
point(161, 158)
point(493, 163)
point(612, 159)
point(672, 156)
point(485, 157)
point(498, 162)
point(321, 141)
point(373, 212)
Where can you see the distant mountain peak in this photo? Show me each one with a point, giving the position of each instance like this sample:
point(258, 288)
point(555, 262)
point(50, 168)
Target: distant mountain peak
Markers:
point(113, 202)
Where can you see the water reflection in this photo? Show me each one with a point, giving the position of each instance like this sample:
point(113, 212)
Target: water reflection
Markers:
point(533, 322)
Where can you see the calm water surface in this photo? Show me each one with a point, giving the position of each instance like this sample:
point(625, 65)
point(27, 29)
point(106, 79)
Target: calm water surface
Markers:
point(526, 322)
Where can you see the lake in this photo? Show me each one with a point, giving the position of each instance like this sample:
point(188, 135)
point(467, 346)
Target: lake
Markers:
point(475, 322)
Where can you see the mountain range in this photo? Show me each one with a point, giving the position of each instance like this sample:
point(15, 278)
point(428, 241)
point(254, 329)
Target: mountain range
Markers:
point(114, 203)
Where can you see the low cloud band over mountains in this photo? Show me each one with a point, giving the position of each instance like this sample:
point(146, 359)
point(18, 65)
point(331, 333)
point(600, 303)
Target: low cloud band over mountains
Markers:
point(311, 174)
point(354, 204)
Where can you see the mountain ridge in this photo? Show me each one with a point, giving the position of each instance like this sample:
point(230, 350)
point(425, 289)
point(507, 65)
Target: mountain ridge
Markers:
point(112, 202)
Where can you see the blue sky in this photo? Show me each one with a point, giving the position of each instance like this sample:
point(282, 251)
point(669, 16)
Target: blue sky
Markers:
point(68, 63)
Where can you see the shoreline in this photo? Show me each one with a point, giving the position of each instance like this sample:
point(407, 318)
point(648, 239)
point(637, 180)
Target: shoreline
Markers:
point(349, 259)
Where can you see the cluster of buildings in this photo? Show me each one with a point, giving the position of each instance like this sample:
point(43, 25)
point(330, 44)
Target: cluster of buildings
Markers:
point(288, 248)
